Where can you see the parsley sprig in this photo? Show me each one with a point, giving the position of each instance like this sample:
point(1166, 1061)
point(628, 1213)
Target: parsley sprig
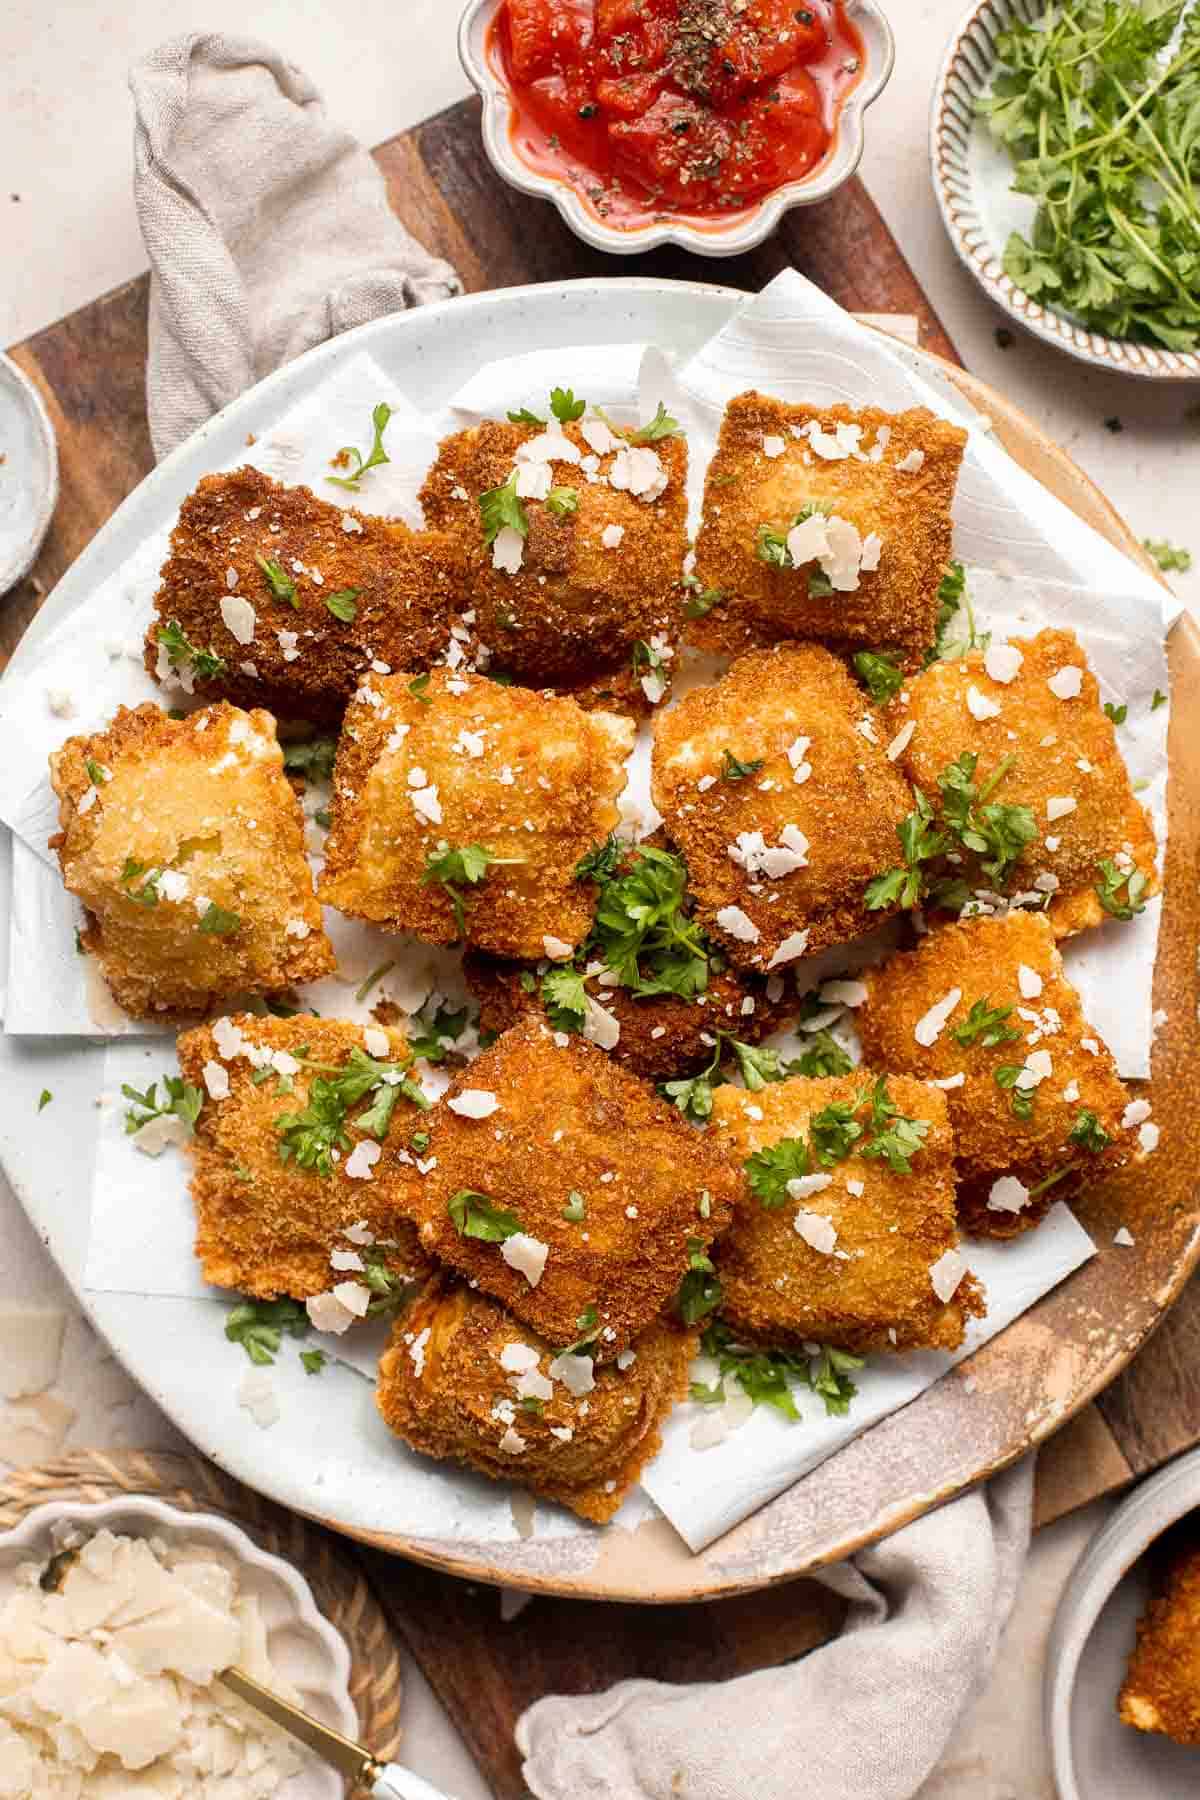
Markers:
point(642, 930)
point(457, 867)
point(985, 1025)
point(836, 1132)
point(921, 842)
point(180, 1100)
point(994, 831)
point(1108, 890)
point(258, 1326)
point(375, 456)
point(313, 758)
point(502, 507)
point(278, 580)
point(700, 1291)
point(473, 1215)
point(880, 674)
point(954, 598)
point(734, 770)
point(765, 1376)
point(310, 1137)
point(1088, 1131)
point(206, 664)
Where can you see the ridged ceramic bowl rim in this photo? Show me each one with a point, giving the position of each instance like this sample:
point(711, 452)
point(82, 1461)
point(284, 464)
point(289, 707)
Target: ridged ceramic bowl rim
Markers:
point(139, 1515)
point(966, 69)
point(742, 233)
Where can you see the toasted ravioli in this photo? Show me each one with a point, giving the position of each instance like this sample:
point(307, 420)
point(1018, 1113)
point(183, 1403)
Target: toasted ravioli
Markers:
point(851, 1259)
point(537, 1119)
point(1011, 1168)
point(1062, 762)
point(268, 1226)
point(600, 567)
point(463, 1381)
point(891, 476)
point(458, 761)
point(296, 655)
point(661, 1035)
point(185, 842)
point(1161, 1691)
point(779, 857)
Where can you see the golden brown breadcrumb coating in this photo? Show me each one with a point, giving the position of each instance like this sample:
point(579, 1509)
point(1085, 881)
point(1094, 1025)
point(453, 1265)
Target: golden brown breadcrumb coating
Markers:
point(907, 508)
point(188, 853)
point(871, 1289)
point(1062, 751)
point(463, 761)
point(268, 1227)
point(1161, 1690)
point(302, 662)
point(444, 1389)
point(566, 1121)
point(662, 1034)
point(1010, 965)
point(577, 605)
point(824, 775)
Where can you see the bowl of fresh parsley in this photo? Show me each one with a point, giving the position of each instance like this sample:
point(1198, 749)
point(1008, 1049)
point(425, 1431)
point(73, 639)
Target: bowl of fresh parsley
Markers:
point(1066, 162)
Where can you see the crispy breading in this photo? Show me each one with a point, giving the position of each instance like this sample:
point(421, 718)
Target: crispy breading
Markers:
point(1062, 750)
point(268, 1227)
point(1012, 965)
point(302, 662)
point(463, 761)
point(568, 1121)
point(576, 606)
point(794, 708)
point(662, 1035)
point(908, 510)
point(444, 1389)
point(1161, 1690)
point(872, 1289)
point(189, 857)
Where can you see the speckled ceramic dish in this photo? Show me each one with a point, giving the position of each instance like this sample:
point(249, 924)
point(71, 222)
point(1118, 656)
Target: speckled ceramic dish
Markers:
point(28, 473)
point(1095, 1756)
point(743, 230)
point(972, 179)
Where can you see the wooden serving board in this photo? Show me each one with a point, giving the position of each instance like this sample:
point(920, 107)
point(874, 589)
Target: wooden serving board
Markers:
point(90, 368)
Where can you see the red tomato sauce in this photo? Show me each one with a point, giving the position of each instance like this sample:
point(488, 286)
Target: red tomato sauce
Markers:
point(673, 109)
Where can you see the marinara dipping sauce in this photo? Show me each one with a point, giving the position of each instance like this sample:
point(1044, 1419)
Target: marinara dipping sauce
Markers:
point(674, 108)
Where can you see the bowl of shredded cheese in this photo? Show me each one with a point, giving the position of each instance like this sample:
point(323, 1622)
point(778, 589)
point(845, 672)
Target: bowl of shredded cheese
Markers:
point(116, 1621)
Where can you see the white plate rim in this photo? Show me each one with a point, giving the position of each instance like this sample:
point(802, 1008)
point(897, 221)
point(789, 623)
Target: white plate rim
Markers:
point(44, 478)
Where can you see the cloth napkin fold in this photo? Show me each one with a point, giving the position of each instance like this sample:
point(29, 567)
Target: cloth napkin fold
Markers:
point(866, 1717)
point(268, 226)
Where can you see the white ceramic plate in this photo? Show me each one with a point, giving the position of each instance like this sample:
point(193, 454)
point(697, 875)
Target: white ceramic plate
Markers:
point(972, 179)
point(303, 1645)
point(28, 473)
point(1095, 1756)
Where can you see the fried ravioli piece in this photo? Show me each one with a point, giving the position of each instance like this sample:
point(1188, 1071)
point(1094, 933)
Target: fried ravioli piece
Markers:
point(458, 761)
point(279, 641)
point(270, 1227)
point(1000, 984)
point(661, 1035)
point(855, 1254)
point(779, 857)
point(889, 475)
point(1161, 1690)
point(536, 1120)
point(598, 571)
point(453, 1379)
point(185, 842)
point(1063, 763)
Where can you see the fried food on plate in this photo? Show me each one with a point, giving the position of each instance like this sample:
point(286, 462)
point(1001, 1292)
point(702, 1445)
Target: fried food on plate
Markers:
point(1029, 711)
point(826, 522)
point(463, 1380)
point(564, 1186)
point(461, 807)
point(297, 1172)
point(776, 787)
point(844, 1232)
point(1161, 1691)
point(185, 842)
point(273, 597)
point(575, 541)
point(985, 1009)
point(656, 1035)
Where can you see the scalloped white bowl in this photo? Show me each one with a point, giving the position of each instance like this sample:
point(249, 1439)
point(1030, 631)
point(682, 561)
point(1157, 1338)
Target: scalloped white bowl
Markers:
point(303, 1645)
point(743, 231)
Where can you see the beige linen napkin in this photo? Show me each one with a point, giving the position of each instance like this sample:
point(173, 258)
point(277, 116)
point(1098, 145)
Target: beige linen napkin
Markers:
point(866, 1717)
point(268, 226)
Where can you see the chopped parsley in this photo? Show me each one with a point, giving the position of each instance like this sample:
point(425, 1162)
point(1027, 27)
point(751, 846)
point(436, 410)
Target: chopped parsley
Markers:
point(757, 1065)
point(565, 407)
point(1108, 890)
point(700, 1291)
point(206, 664)
point(313, 758)
point(44, 1099)
point(473, 1215)
point(502, 508)
point(575, 1211)
point(771, 547)
point(417, 688)
point(1020, 1098)
point(588, 1323)
point(646, 658)
point(769, 1170)
point(661, 426)
point(278, 580)
point(455, 868)
point(216, 922)
point(700, 600)
point(985, 1025)
point(997, 833)
point(641, 929)
point(920, 842)
point(693, 1095)
point(764, 1376)
point(377, 454)
point(1118, 714)
point(953, 598)
point(564, 997)
point(97, 774)
point(602, 861)
point(834, 1131)
point(823, 1055)
point(1160, 699)
point(562, 500)
point(1088, 1131)
point(180, 1101)
point(147, 894)
point(733, 770)
point(258, 1326)
point(895, 1138)
point(523, 416)
point(880, 674)
point(314, 1361)
point(438, 1035)
point(310, 1137)
point(344, 604)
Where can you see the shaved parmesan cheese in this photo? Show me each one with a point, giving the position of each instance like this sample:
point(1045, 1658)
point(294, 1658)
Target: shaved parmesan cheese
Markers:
point(793, 946)
point(866, 728)
point(30, 1350)
point(556, 949)
point(843, 993)
point(845, 555)
point(1002, 662)
point(597, 436)
point(1148, 1135)
point(346, 1262)
point(525, 1254)
point(979, 706)
point(376, 1042)
point(809, 539)
point(818, 1232)
point(638, 471)
point(1135, 1113)
point(774, 446)
point(951, 1081)
point(600, 1027)
point(1029, 981)
point(1038, 1066)
point(173, 885)
point(426, 804)
point(257, 1394)
point(473, 1103)
point(909, 465)
point(1124, 1237)
point(534, 481)
point(216, 1080)
point(872, 549)
point(757, 857)
point(857, 1188)
point(946, 1275)
point(508, 550)
point(154, 1136)
point(518, 1358)
point(611, 536)
point(512, 1443)
point(549, 446)
point(1008, 1195)
point(361, 1161)
point(1067, 682)
point(239, 617)
point(1058, 806)
point(577, 1373)
point(929, 1027)
point(901, 741)
point(733, 920)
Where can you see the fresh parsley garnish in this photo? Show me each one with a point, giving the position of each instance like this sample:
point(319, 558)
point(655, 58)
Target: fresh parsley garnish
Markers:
point(661, 426)
point(588, 1323)
point(1118, 714)
point(310, 1137)
point(206, 664)
point(97, 774)
point(147, 893)
point(562, 500)
point(769, 1170)
point(693, 1095)
point(765, 1375)
point(1020, 1098)
point(473, 1215)
point(894, 1138)
point(278, 580)
point(985, 1025)
point(880, 674)
point(344, 604)
point(834, 1131)
point(733, 770)
point(771, 547)
point(180, 1101)
point(216, 922)
point(575, 1211)
point(502, 507)
point(523, 416)
point(920, 842)
point(647, 661)
point(996, 832)
point(454, 868)
point(44, 1099)
point(313, 758)
point(435, 1037)
point(258, 1326)
point(417, 688)
point(1088, 1131)
point(1112, 881)
point(757, 1065)
point(564, 997)
point(314, 1361)
point(700, 1291)
point(954, 598)
point(602, 861)
point(1160, 699)
point(642, 931)
point(822, 1056)
point(376, 455)
point(700, 600)
point(565, 406)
